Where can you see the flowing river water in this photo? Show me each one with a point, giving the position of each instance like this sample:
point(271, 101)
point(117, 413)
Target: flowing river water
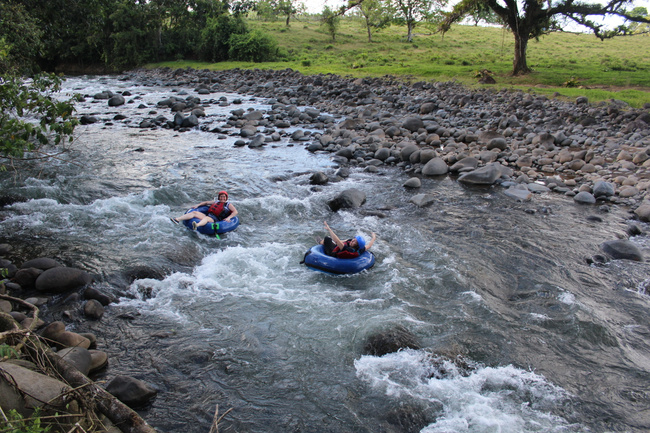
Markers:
point(549, 342)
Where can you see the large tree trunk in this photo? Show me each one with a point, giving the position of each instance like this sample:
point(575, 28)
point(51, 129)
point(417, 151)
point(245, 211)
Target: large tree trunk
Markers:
point(409, 26)
point(519, 64)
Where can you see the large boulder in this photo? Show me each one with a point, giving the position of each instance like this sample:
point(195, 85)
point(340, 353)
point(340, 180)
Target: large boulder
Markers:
point(43, 263)
point(622, 249)
point(131, 391)
point(389, 341)
point(435, 167)
point(485, 175)
point(25, 390)
point(348, 199)
point(62, 279)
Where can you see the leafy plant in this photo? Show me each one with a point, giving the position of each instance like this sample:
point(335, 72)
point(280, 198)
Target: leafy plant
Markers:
point(21, 101)
point(571, 82)
point(16, 423)
point(8, 352)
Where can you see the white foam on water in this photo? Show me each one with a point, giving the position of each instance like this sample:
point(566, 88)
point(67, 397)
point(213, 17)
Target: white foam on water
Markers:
point(477, 400)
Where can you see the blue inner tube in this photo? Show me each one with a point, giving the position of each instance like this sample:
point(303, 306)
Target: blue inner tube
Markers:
point(211, 229)
point(316, 258)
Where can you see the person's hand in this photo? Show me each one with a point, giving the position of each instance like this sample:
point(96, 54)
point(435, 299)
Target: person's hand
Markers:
point(326, 226)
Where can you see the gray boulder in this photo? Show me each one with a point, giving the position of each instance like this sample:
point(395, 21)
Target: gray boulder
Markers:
point(413, 123)
point(62, 279)
point(116, 101)
point(79, 357)
point(35, 390)
point(622, 249)
point(603, 189)
point(435, 167)
point(519, 193)
point(423, 200)
point(485, 175)
point(348, 199)
point(464, 164)
point(318, 178)
point(42, 263)
point(584, 197)
point(131, 391)
point(413, 182)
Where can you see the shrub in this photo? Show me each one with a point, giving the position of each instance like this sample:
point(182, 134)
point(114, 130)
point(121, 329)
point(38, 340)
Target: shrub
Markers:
point(253, 47)
point(306, 62)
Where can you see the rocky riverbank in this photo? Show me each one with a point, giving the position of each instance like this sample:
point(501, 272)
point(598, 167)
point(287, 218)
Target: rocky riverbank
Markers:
point(528, 143)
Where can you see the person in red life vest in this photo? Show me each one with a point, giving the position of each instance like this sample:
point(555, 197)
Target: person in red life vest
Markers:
point(347, 249)
point(220, 210)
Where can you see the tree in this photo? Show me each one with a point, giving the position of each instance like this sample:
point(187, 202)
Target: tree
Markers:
point(533, 18)
point(411, 12)
point(21, 38)
point(638, 28)
point(22, 100)
point(377, 14)
point(331, 21)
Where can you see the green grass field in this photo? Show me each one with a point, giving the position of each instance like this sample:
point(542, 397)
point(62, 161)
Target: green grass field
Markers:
point(618, 68)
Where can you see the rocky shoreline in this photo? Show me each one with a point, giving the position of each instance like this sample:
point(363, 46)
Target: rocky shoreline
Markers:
point(528, 144)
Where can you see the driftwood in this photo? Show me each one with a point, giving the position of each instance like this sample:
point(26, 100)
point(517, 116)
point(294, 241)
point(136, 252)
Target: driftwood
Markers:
point(122, 416)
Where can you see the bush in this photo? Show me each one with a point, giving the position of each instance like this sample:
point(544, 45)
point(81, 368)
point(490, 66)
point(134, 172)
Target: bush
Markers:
point(20, 101)
point(253, 47)
point(215, 37)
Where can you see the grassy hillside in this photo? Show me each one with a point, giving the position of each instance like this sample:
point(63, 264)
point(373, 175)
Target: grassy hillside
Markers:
point(618, 68)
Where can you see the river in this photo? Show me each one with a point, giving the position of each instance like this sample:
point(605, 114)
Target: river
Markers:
point(548, 342)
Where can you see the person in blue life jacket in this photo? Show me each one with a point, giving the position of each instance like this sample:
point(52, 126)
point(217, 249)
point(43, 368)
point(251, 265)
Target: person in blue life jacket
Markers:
point(347, 249)
point(219, 209)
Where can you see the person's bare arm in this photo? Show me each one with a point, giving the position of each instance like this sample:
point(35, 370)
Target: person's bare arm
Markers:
point(335, 238)
point(371, 242)
point(233, 211)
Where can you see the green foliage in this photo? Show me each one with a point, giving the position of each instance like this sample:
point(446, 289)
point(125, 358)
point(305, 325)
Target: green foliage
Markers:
point(215, 37)
point(8, 352)
point(330, 21)
point(253, 46)
point(22, 100)
point(20, 39)
point(17, 424)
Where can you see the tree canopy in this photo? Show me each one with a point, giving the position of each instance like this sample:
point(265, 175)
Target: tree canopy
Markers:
point(530, 19)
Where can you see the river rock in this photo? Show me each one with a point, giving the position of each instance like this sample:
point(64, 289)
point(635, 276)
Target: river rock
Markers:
point(465, 164)
point(116, 101)
point(413, 123)
point(435, 167)
point(413, 182)
point(62, 279)
point(26, 277)
point(643, 212)
point(42, 263)
point(485, 175)
point(318, 178)
point(622, 249)
point(584, 197)
point(79, 357)
point(51, 331)
point(130, 391)
point(71, 339)
point(603, 189)
point(36, 390)
point(93, 309)
point(390, 341)
point(423, 200)
point(407, 151)
point(348, 199)
point(98, 360)
point(519, 193)
point(92, 293)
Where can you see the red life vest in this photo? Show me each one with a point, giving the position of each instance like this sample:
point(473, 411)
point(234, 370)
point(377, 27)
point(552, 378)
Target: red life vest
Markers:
point(219, 210)
point(347, 252)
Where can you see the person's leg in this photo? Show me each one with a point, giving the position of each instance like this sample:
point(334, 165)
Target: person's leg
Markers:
point(204, 221)
point(329, 245)
point(190, 215)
